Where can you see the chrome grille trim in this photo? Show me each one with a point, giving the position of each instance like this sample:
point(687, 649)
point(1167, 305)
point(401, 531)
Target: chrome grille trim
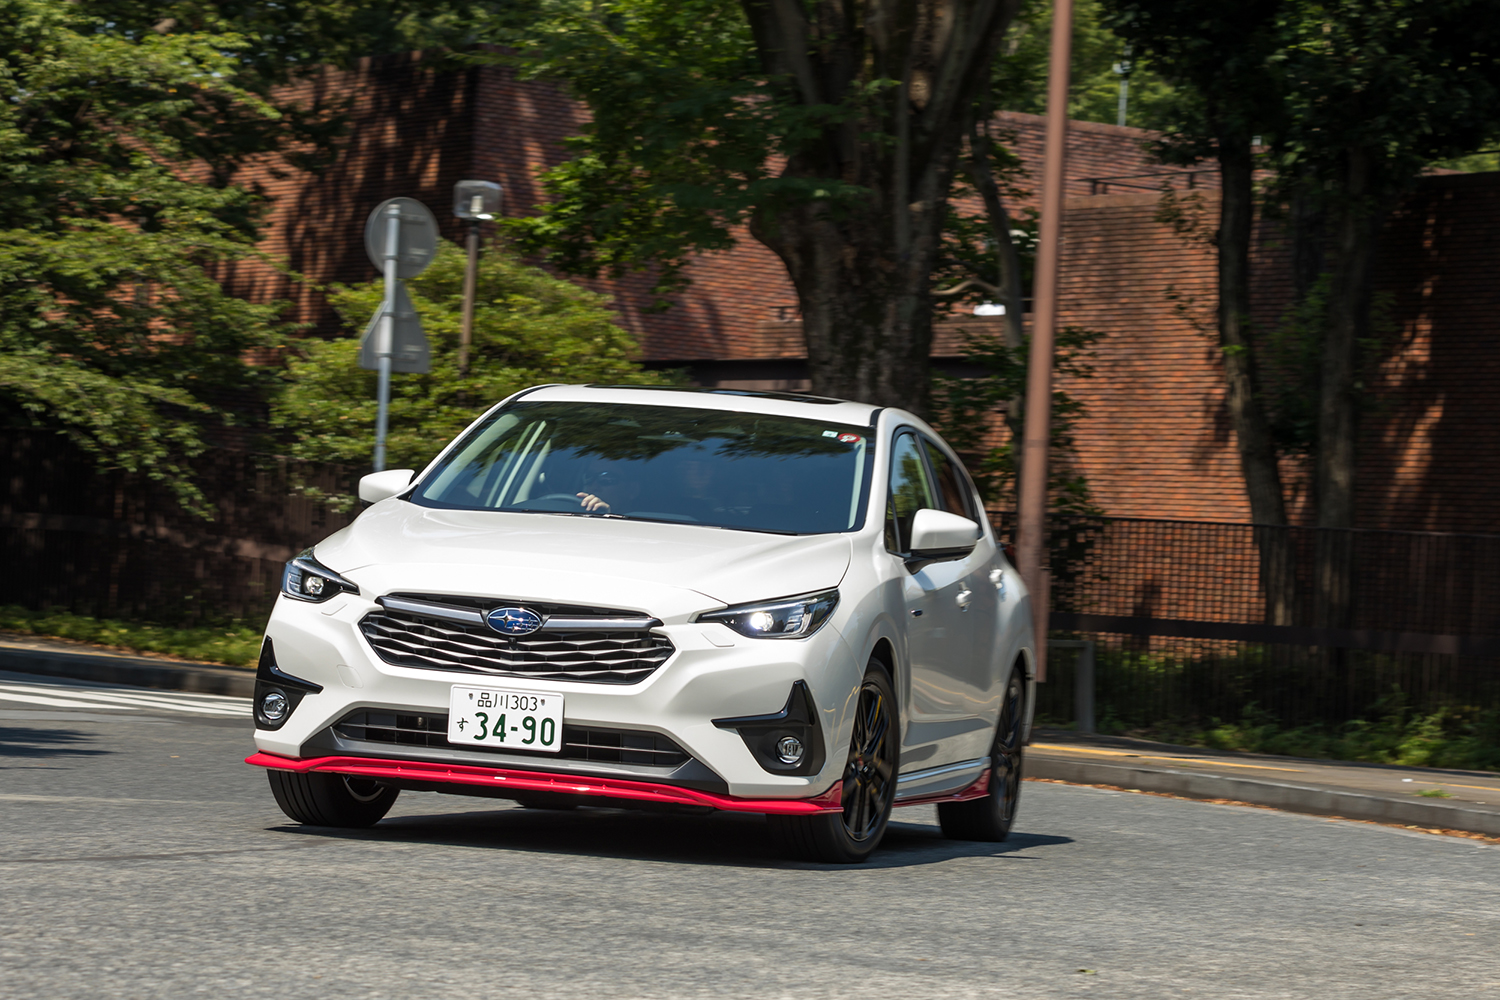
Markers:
point(559, 623)
point(430, 610)
point(585, 644)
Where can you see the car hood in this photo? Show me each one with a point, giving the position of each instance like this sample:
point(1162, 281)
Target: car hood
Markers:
point(667, 570)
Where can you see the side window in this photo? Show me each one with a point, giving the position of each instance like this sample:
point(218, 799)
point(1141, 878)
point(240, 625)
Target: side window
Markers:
point(950, 484)
point(911, 491)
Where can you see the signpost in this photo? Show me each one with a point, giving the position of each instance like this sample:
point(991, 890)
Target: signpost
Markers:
point(401, 240)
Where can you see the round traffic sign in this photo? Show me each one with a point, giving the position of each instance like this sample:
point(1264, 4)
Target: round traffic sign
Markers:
point(416, 241)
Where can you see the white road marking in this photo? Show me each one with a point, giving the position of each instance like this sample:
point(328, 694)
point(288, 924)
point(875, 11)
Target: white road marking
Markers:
point(119, 699)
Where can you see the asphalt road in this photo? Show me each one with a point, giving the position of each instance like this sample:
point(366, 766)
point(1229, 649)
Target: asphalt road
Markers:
point(139, 858)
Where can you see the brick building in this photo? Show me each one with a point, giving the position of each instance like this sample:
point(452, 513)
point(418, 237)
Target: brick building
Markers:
point(1155, 441)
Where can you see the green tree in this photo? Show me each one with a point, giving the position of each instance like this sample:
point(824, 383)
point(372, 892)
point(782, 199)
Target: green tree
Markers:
point(1354, 98)
point(529, 328)
point(113, 330)
point(1100, 57)
point(833, 130)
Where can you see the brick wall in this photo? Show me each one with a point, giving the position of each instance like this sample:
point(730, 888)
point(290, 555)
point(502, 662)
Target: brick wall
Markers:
point(1156, 440)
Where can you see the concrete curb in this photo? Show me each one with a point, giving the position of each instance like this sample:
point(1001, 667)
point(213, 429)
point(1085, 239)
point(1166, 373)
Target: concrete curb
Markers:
point(140, 671)
point(1276, 794)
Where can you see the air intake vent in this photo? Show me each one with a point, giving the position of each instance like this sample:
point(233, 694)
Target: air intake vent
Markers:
point(602, 746)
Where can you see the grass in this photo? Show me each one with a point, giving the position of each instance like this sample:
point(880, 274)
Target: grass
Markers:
point(236, 643)
point(1435, 793)
point(1455, 737)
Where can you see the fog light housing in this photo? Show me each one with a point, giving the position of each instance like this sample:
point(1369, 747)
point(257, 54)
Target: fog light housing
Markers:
point(786, 742)
point(277, 692)
point(789, 750)
point(274, 705)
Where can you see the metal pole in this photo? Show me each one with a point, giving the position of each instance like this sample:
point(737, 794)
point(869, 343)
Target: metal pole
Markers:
point(386, 333)
point(1083, 688)
point(1031, 533)
point(471, 282)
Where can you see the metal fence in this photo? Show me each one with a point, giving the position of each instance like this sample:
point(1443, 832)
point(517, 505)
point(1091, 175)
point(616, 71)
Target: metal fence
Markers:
point(1190, 620)
point(118, 545)
point(1195, 620)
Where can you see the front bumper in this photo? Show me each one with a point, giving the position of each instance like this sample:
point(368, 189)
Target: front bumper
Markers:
point(504, 783)
point(713, 674)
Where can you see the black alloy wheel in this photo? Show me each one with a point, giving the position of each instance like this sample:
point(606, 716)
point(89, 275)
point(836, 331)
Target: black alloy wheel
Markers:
point(990, 818)
point(869, 785)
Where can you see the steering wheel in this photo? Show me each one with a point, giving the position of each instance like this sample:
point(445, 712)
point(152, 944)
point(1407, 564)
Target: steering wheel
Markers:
point(558, 502)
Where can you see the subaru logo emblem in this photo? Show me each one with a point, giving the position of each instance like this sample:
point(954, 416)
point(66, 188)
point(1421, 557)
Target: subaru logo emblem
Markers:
point(514, 621)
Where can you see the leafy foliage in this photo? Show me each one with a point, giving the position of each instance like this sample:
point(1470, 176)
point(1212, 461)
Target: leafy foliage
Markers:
point(233, 642)
point(682, 141)
point(1098, 57)
point(529, 328)
point(113, 330)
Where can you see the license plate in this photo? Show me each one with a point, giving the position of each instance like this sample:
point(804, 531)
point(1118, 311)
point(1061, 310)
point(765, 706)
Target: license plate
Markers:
point(495, 717)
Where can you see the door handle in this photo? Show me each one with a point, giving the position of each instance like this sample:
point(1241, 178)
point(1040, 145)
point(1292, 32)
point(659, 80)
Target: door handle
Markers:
point(997, 577)
point(964, 597)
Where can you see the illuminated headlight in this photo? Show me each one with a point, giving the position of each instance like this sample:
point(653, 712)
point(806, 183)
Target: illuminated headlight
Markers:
point(789, 618)
point(306, 579)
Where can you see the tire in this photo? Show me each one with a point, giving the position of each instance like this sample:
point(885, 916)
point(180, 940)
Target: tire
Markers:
point(331, 799)
point(869, 791)
point(989, 819)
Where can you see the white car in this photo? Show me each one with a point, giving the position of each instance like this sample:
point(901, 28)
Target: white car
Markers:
point(615, 595)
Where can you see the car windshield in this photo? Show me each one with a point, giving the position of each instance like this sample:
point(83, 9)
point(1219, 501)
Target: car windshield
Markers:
point(659, 463)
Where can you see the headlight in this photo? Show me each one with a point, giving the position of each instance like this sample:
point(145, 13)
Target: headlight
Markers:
point(306, 579)
point(788, 618)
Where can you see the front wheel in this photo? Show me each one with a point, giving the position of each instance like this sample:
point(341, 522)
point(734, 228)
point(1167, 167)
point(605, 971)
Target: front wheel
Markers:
point(990, 818)
point(331, 799)
point(869, 790)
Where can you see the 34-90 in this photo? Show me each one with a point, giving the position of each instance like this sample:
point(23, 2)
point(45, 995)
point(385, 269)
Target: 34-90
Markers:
point(544, 734)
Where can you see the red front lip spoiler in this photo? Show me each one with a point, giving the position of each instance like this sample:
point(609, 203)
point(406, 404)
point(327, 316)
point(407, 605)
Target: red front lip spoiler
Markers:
point(540, 781)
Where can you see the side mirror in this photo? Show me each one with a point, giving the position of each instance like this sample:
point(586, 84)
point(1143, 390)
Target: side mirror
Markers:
point(937, 535)
point(378, 486)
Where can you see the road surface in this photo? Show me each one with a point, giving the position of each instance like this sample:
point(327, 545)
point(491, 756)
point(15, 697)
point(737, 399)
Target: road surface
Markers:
point(139, 858)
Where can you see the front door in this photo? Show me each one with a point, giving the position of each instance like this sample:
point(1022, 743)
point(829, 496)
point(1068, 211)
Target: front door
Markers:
point(940, 711)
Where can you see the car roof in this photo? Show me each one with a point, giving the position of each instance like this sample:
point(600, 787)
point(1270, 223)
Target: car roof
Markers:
point(782, 404)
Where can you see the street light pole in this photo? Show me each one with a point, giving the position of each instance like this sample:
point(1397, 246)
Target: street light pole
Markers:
point(386, 334)
point(475, 202)
point(471, 281)
point(1037, 433)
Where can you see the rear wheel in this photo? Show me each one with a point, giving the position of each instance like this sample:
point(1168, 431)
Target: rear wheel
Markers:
point(331, 799)
point(990, 818)
point(869, 790)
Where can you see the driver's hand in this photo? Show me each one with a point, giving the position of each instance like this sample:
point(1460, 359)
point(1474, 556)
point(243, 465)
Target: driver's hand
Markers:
point(591, 502)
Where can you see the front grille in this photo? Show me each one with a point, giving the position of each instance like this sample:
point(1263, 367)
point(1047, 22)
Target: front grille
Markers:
point(587, 743)
point(436, 637)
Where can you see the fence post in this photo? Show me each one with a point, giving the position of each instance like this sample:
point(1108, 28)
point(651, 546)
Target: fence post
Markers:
point(1083, 687)
point(1083, 681)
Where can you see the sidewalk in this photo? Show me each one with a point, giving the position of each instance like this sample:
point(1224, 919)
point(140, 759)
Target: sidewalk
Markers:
point(1378, 792)
point(28, 654)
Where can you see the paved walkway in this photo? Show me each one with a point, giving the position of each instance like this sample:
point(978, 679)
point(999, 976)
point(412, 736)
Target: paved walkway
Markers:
point(1470, 800)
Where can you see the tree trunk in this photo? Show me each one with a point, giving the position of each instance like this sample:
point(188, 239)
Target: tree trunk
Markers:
point(866, 315)
point(1348, 323)
point(861, 248)
point(1246, 414)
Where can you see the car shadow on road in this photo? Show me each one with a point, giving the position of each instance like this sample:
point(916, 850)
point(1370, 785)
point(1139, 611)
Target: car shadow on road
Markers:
point(29, 743)
point(719, 839)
